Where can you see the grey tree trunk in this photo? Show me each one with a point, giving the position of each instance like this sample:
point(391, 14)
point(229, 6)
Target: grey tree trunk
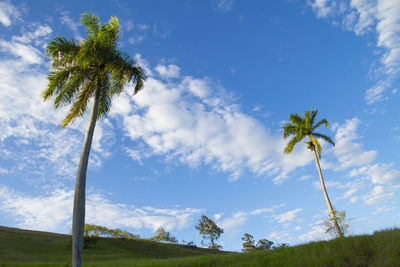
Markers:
point(328, 202)
point(78, 219)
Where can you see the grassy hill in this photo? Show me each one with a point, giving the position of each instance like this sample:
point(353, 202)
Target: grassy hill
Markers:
point(22, 246)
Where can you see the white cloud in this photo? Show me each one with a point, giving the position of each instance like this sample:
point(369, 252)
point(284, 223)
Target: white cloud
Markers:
point(317, 232)
point(239, 218)
point(28, 54)
point(305, 177)
point(383, 209)
point(39, 35)
point(279, 236)
point(195, 122)
point(377, 195)
point(231, 223)
point(323, 8)
point(53, 212)
point(224, 5)
point(217, 216)
point(362, 16)
point(287, 216)
point(378, 173)
point(170, 71)
point(137, 39)
point(66, 20)
point(347, 151)
point(8, 13)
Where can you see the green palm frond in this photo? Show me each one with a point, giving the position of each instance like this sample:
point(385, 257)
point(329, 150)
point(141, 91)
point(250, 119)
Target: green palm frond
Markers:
point(91, 22)
point(78, 108)
point(300, 127)
point(296, 119)
point(79, 69)
point(313, 115)
point(288, 130)
point(289, 147)
point(324, 137)
point(323, 121)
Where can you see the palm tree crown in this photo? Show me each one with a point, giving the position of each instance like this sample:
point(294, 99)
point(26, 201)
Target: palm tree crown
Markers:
point(80, 69)
point(302, 127)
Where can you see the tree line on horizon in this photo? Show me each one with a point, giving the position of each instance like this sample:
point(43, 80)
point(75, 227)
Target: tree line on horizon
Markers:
point(94, 68)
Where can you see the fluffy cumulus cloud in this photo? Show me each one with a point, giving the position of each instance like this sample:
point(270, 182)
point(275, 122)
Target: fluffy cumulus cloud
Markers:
point(195, 121)
point(53, 212)
point(362, 16)
point(347, 151)
point(169, 71)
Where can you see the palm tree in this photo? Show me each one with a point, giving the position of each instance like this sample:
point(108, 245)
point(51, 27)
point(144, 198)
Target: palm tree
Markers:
point(303, 127)
point(81, 70)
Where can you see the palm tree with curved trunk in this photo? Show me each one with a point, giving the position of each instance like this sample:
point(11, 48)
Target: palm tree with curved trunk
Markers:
point(92, 68)
point(305, 127)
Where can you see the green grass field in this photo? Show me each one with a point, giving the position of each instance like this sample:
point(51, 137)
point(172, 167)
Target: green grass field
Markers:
point(32, 248)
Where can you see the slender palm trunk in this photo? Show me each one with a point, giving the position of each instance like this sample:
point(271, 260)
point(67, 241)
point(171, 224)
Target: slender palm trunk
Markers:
point(328, 202)
point(78, 220)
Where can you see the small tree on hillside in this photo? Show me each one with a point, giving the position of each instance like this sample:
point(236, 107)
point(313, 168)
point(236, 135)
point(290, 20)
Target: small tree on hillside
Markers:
point(248, 243)
point(163, 235)
point(342, 221)
point(210, 231)
point(264, 244)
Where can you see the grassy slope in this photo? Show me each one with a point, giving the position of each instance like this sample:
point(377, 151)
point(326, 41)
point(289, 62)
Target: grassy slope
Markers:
point(24, 246)
point(380, 249)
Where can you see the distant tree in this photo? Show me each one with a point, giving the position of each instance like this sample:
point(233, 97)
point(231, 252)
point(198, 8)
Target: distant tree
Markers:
point(248, 243)
point(92, 230)
point(210, 231)
point(163, 236)
point(282, 245)
point(264, 244)
point(301, 128)
point(343, 222)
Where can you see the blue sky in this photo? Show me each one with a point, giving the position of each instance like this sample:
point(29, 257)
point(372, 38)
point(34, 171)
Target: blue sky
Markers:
point(204, 136)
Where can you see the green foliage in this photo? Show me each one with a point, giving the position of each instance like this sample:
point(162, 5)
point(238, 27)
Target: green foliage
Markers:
point(92, 230)
point(342, 221)
point(300, 128)
point(264, 244)
point(163, 235)
point(92, 66)
point(248, 243)
point(209, 231)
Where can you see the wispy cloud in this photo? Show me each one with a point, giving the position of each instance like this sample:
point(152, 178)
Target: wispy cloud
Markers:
point(8, 13)
point(378, 195)
point(288, 216)
point(239, 218)
point(362, 16)
point(224, 5)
